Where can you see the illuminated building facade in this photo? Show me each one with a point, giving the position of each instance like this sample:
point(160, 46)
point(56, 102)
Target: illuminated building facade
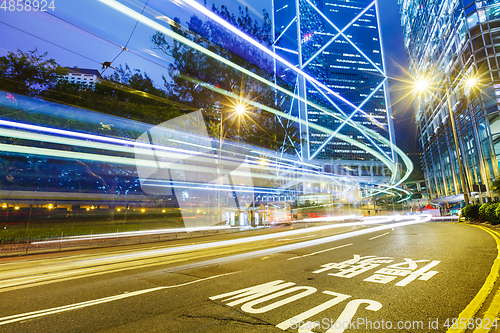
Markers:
point(450, 44)
point(82, 75)
point(337, 44)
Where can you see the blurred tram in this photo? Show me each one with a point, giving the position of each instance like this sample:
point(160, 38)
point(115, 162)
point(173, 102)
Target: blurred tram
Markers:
point(313, 205)
point(279, 213)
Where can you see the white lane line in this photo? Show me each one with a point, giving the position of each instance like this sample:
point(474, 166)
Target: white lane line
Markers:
point(311, 254)
point(378, 236)
point(75, 306)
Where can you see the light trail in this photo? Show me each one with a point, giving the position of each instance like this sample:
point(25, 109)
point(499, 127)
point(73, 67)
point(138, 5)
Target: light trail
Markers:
point(133, 234)
point(72, 138)
point(291, 247)
point(188, 248)
point(80, 305)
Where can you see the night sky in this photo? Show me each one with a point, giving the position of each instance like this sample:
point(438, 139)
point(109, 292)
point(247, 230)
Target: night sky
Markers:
point(87, 33)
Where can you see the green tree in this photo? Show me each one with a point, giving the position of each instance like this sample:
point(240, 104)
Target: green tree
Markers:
point(28, 73)
point(126, 93)
point(191, 70)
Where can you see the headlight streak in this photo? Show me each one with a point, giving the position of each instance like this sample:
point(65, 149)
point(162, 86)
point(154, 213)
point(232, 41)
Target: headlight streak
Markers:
point(118, 160)
point(331, 218)
point(133, 234)
point(217, 187)
point(125, 149)
point(122, 145)
point(139, 17)
point(291, 247)
point(187, 248)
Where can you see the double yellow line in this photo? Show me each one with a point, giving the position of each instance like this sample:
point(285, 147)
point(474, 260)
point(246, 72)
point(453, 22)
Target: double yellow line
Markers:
point(492, 312)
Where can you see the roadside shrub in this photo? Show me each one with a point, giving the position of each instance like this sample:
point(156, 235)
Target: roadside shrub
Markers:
point(482, 212)
point(497, 213)
point(471, 212)
point(490, 212)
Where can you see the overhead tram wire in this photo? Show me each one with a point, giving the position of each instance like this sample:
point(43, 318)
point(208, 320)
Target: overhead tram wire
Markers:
point(124, 48)
point(84, 30)
point(52, 43)
point(103, 39)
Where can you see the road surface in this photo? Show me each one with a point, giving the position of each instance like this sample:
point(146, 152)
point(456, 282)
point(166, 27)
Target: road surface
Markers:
point(403, 278)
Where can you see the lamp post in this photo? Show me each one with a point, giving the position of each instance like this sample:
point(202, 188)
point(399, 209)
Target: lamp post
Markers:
point(219, 209)
point(421, 85)
point(459, 156)
point(240, 110)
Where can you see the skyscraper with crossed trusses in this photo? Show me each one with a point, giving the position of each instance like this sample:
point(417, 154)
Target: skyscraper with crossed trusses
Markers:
point(341, 88)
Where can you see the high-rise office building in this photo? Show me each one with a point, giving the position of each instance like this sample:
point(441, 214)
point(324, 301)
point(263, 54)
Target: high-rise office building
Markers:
point(337, 45)
point(453, 48)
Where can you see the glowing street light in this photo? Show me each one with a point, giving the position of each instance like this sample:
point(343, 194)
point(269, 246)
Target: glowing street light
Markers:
point(421, 85)
point(240, 109)
point(471, 82)
point(263, 162)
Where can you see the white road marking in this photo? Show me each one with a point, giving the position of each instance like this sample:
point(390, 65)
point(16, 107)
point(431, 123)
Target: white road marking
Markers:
point(314, 311)
point(46, 312)
point(250, 306)
point(378, 236)
point(314, 253)
point(306, 327)
point(349, 312)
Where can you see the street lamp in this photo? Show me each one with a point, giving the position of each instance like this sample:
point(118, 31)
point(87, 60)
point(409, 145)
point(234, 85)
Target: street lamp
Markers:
point(422, 85)
point(239, 109)
point(471, 82)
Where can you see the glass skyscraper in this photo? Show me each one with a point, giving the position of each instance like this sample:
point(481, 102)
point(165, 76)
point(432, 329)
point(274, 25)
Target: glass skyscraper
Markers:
point(451, 43)
point(337, 44)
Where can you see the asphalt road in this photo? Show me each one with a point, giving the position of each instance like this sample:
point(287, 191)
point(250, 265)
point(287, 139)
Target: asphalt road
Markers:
point(404, 279)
